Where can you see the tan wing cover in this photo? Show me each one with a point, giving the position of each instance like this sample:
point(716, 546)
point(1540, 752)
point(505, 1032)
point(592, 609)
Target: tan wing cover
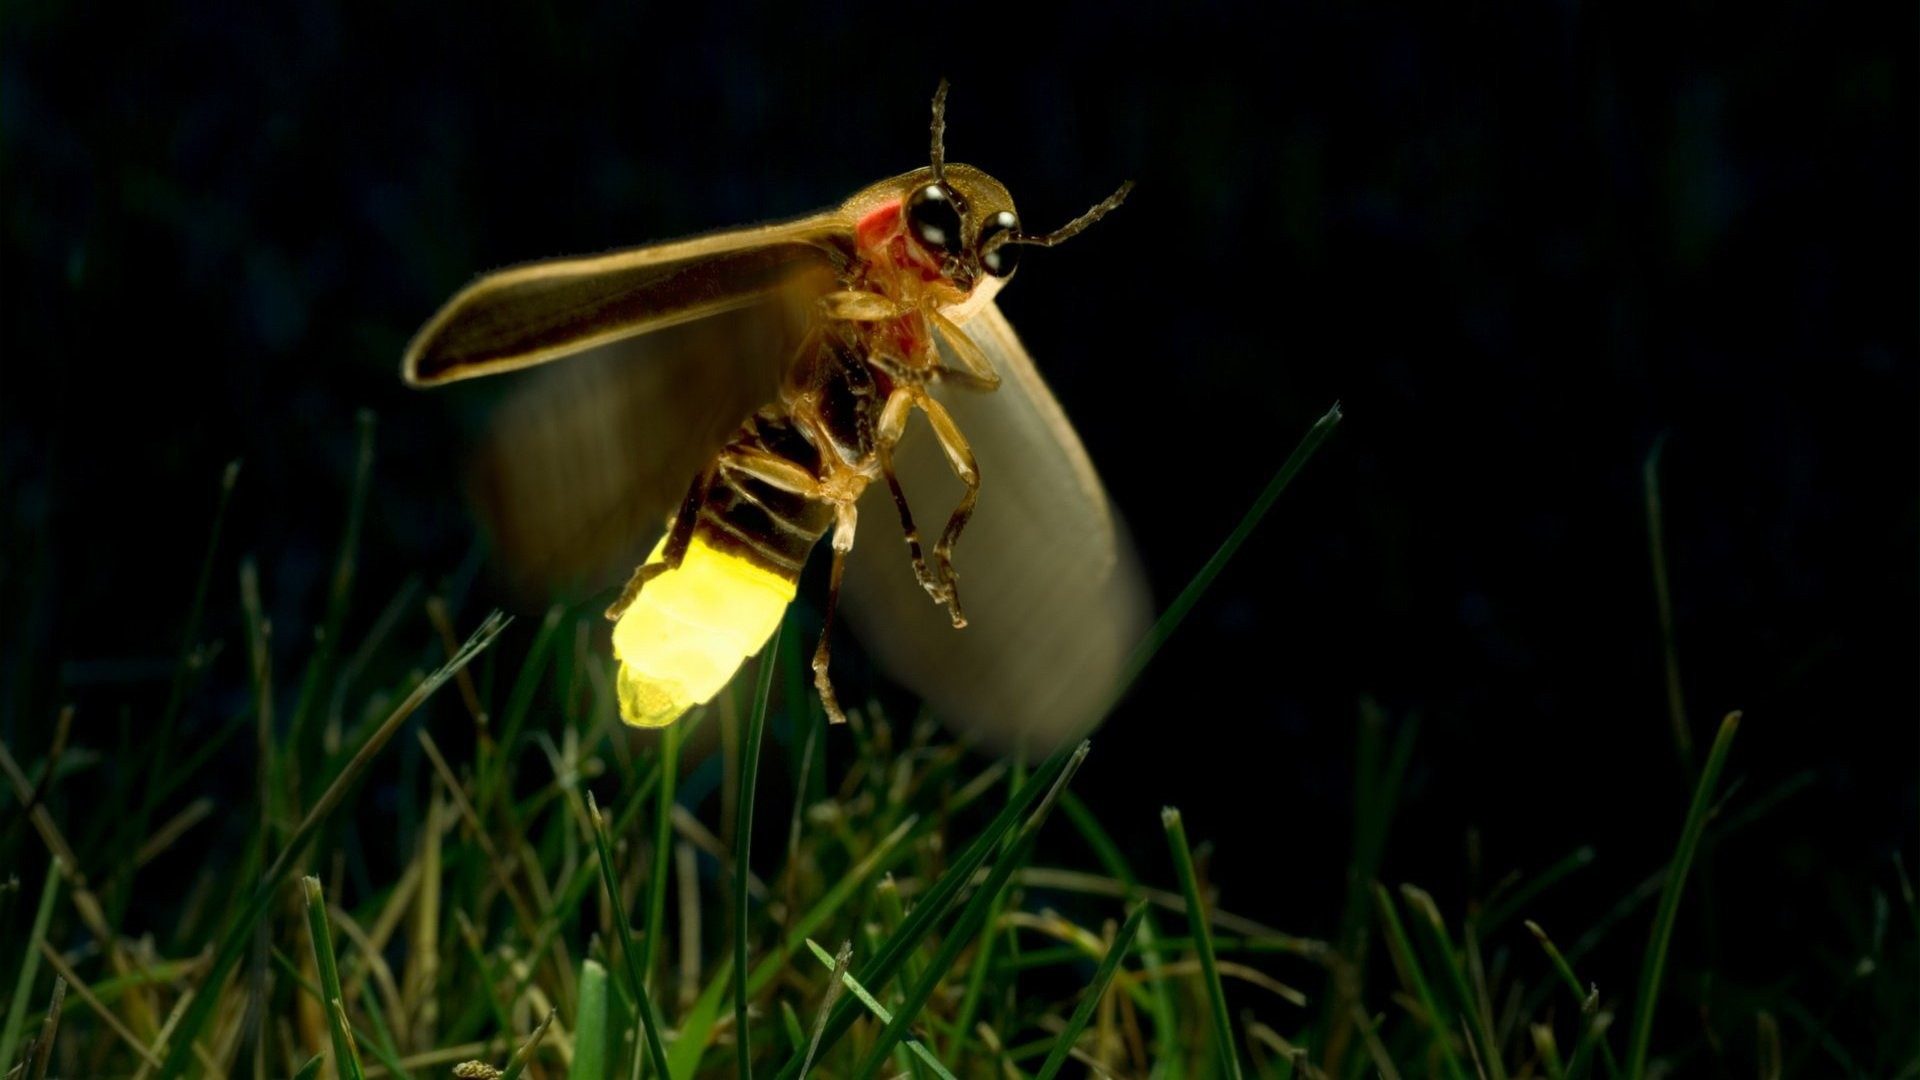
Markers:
point(1054, 595)
point(530, 314)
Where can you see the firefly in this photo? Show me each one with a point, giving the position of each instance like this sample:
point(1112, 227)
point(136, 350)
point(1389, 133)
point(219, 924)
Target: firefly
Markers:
point(756, 388)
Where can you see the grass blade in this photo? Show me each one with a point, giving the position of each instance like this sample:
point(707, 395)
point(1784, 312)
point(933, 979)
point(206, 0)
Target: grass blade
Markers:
point(1202, 936)
point(346, 1062)
point(1116, 952)
point(1478, 1025)
point(1495, 914)
point(645, 1016)
point(699, 1022)
point(1165, 1026)
point(29, 967)
point(521, 1057)
point(1402, 947)
point(743, 849)
point(914, 1046)
point(49, 1029)
point(656, 893)
point(1663, 598)
point(1654, 966)
point(941, 897)
point(835, 984)
point(970, 920)
point(234, 943)
point(590, 1025)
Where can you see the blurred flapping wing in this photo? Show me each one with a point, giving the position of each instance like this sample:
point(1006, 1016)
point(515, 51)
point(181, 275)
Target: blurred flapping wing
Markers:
point(582, 462)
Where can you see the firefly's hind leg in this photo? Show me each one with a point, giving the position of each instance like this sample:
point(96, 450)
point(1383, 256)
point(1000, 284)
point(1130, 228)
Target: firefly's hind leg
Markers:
point(823, 652)
point(679, 538)
point(960, 457)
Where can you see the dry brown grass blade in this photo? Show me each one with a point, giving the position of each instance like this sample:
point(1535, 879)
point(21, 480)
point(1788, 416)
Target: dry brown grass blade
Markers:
point(107, 1016)
point(49, 1031)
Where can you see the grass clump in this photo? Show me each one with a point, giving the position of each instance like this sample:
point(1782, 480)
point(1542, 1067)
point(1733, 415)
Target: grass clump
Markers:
point(523, 887)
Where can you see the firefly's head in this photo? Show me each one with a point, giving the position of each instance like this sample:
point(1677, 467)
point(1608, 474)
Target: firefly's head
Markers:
point(954, 223)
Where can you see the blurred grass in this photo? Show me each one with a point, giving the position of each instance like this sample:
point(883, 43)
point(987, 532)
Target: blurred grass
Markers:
point(462, 937)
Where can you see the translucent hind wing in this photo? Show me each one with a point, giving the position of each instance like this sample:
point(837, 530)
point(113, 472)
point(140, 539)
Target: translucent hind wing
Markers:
point(1054, 594)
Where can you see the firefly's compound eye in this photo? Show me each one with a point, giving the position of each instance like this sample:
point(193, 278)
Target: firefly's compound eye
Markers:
point(934, 219)
point(998, 260)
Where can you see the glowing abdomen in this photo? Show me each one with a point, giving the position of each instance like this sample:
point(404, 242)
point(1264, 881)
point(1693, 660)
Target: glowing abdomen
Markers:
point(691, 628)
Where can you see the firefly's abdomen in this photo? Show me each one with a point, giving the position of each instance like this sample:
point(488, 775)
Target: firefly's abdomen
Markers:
point(690, 628)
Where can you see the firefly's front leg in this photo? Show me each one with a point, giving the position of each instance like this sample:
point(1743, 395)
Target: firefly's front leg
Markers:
point(679, 538)
point(893, 424)
point(975, 371)
point(960, 457)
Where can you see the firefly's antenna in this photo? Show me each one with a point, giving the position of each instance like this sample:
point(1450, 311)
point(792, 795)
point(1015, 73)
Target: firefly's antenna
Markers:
point(1068, 231)
point(940, 133)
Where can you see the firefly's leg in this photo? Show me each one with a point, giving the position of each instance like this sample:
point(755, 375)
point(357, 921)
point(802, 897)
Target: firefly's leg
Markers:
point(822, 653)
point(960, 457)
point(978, 373)
point(679, 538)
point(893, 423)
point(775, 471)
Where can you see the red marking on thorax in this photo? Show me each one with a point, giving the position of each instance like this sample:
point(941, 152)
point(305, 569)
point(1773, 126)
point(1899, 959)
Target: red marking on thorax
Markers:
point(874, 229)
point(884, 244)
point(881, 241)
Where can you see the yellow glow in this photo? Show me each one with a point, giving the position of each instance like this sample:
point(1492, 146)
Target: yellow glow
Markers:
point(689, 631)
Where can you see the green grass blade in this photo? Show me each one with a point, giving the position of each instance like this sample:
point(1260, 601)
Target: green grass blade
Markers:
point(835, 984)
point(941, 898)
point(345, 1061)
point(1663, 598)
point(1402, 947)
point(1653, 967)
point(1592, 1034)
point(312, 1068)
point(647, 1018)
point(1166, 1026)
point(1170, 620)
point(972, 917)
point(699, 1022)
point(1202, 937)
point(1495, 915)
point(158, 767)
point(743, 849)
point(976, 987)
point(291, 973)
point(914, 1046)
point(1116, 952)
point(656, 891)
point(1589, 1001)
point(517, 1065)
point(239, 933)
point(790, 1023)
point(1440, 943)
point(29, 967)
point(590, 1025)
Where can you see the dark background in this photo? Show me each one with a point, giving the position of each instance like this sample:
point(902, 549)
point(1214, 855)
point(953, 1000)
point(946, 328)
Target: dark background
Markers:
point(1520, 247)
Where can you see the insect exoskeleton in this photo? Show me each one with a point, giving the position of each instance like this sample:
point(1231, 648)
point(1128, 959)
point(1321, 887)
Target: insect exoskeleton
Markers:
point(755, 388)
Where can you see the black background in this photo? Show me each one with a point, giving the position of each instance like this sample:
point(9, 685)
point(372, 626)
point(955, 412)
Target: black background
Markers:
point(1520, 245)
